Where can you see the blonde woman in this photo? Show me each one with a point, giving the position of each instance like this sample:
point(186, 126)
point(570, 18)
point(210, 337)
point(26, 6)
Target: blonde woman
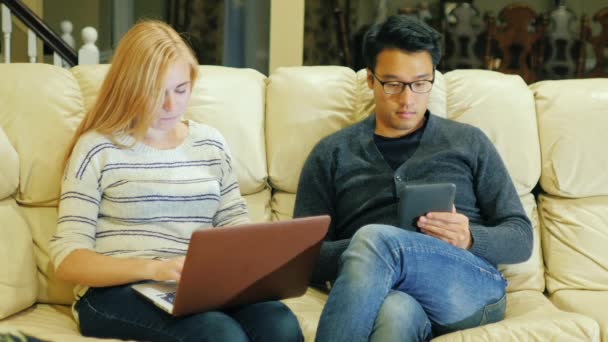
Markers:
point(138, 181)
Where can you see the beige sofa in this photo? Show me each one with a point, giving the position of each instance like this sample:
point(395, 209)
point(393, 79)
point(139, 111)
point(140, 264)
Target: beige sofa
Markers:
point(552, 132)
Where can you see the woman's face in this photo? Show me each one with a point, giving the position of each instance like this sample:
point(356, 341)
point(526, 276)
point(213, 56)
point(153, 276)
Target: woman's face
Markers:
point(177, 95)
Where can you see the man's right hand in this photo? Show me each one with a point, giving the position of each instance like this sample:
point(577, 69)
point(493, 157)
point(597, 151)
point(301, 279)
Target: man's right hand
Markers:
point(168, 269)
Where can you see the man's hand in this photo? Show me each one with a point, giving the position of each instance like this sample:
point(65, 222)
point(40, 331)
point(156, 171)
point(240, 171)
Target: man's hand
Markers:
point(169, 269)
point(452, 228)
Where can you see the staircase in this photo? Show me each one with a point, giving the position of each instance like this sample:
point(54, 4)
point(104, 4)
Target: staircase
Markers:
point(63, 47)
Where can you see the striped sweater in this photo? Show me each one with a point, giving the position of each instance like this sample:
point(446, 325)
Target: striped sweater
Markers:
point(145, 202)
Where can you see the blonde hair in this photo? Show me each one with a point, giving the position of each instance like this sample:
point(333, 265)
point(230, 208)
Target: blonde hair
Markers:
point(133, 90)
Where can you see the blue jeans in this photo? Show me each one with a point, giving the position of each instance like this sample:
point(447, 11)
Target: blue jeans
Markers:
point(398, 285)
point(118, 312)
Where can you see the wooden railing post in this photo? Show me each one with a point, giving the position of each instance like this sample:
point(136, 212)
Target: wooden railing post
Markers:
point(66, 35)
point(88, 53)
point(7, 28)
point(32, 49)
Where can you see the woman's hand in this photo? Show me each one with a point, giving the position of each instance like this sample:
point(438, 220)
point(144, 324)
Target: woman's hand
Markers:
point(112, 271)
point(168, 269)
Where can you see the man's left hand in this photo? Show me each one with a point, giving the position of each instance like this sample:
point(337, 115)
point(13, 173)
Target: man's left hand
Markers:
point(452, 228)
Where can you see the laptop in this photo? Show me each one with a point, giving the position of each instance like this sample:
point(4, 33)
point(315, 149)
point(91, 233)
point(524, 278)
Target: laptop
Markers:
point(239, 265)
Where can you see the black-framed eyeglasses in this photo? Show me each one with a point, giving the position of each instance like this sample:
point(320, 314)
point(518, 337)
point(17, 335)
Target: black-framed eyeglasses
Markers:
point(398, 87)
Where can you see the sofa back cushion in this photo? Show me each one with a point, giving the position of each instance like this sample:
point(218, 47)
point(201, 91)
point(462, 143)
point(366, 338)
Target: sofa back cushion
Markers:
point(229, 99)
point(42, 223)
point(502, 106)
point(574, 211)
point(9, 169)
point(575, 236)
point(18, 286)
point(572, 124)
point(41, 108)
point(528, 275)
point(305, 104)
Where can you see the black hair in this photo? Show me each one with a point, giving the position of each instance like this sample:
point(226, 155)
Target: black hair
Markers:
point(401, 32)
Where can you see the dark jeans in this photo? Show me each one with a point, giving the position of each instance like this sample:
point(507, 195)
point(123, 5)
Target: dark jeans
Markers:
point(118, 312)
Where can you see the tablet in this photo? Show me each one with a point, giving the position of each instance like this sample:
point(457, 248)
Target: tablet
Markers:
point(416, 200)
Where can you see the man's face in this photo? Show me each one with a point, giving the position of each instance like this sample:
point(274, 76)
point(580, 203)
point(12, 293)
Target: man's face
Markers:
point(400, 114)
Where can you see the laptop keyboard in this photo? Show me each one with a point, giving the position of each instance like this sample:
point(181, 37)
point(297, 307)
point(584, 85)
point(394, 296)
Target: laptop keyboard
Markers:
point(169, 297)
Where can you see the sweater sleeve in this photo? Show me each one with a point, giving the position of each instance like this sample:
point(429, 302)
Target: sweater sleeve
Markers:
point(506, 235)
point(315, 196)
point(78, 203)
point(232, 209)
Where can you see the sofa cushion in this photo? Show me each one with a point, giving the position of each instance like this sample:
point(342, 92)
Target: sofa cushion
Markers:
point(307, 309)
point(9, 169)
point(258, 205)
point(574, 238)
point(530, 316)
point(305, 104)
point(89, 78)
point(502, 106)
point(41, 108)
point(282, 205)
point(18, 285)
point(572, 125)
point(589, 303)
point(530, 274)
point(47, 322)
point(43, 223)
point(229, 99)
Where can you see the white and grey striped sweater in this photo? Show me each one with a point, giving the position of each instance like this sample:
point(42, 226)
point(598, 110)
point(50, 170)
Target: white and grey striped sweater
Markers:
point(145, 202)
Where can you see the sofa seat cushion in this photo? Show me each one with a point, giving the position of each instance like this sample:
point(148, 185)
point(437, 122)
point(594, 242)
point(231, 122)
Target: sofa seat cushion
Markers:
point(307, 309)
point(530, 316)
point(46, 322)
point(590, 303)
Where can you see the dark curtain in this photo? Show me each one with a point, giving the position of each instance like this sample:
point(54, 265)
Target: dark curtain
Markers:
point(202, 24)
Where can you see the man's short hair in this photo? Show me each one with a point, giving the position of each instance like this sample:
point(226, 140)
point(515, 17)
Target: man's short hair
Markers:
point(404, 33)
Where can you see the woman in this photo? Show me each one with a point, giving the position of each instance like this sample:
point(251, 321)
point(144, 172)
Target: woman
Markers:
point(138, 181)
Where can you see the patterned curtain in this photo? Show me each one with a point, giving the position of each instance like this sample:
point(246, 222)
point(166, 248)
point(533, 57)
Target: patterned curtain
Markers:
point(202, 22)
point(321, 31)
point(321, 44)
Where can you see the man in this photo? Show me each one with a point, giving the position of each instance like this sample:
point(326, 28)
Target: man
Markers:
point(390, 283)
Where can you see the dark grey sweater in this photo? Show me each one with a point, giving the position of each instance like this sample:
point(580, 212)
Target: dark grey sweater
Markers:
point(346, 177)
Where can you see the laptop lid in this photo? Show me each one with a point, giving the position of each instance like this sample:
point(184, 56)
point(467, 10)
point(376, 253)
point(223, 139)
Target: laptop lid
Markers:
point(238, 265)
